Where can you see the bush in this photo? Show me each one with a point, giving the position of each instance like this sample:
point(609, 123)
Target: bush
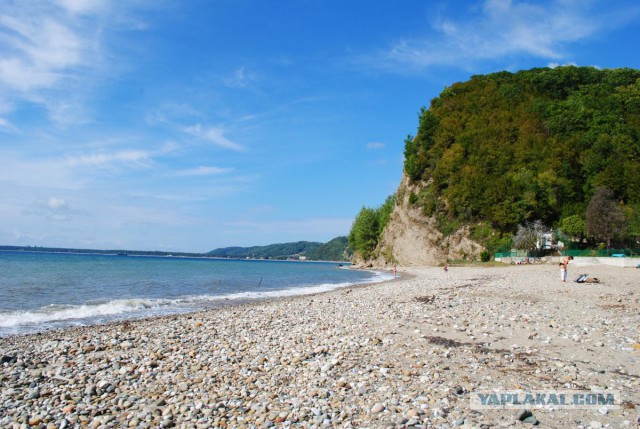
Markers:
point(368, 227)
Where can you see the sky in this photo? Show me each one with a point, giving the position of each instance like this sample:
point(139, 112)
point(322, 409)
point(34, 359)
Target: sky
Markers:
point(188, 125)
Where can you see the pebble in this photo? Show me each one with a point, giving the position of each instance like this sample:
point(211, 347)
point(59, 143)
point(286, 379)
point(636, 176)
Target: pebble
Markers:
point(377, 408)
point(380, 356)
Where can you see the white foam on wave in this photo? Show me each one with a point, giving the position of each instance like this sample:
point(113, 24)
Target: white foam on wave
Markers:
point(379, 276)
point(127, 308)
point(53, 313)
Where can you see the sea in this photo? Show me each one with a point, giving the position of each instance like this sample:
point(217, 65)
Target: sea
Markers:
point(41, 291)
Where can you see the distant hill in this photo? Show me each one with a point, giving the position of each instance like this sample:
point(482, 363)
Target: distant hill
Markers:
point(334, 250)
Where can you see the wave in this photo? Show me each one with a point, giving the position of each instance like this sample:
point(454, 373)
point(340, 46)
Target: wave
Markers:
point(56, 315)
point(53, 313)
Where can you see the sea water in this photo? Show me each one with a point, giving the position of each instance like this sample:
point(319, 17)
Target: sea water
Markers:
point(40, 291)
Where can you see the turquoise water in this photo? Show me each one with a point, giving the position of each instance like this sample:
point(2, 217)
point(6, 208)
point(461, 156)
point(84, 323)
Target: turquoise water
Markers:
point(40, 291)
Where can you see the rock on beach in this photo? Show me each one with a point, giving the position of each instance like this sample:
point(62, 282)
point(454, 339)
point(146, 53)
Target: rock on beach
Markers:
point(406, 353)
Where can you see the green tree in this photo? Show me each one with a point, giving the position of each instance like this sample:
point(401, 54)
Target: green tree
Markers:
point(605, 220)
point(384, 213)
point(368, 226)
point(363, 237)
point(632, 213)
point(573, 226)
point(508, 148)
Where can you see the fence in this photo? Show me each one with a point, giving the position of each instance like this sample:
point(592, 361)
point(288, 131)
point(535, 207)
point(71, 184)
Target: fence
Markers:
point(593, 253)
point(511, 254)
point(615, 253)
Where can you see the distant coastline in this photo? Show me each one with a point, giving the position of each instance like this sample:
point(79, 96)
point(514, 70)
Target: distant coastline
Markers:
point(114, 252)
point(149, 253)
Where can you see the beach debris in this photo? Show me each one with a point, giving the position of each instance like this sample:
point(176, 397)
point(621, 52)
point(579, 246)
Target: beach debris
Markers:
point(428, 299)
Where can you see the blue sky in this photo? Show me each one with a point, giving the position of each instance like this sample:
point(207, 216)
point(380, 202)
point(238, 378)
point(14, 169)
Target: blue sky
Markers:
point(186, 125)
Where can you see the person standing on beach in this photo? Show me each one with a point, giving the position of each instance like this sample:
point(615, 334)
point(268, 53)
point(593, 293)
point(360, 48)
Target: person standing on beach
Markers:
point(563, 267)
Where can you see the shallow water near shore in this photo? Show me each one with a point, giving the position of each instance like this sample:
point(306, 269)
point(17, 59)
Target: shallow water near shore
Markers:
point(40, 291)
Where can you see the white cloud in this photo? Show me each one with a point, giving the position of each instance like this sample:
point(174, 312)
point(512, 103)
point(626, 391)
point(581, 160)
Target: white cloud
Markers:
point(6, 125)
point(554, 65)
point(40, 50)
point(375, 145)
point(100, 159)
point(241, 78)
point(204, 171)
point(500, 29)
point(56, 203)
point(53, 53)
point(81, 6)
point(214, 135)
point(301, 227)
point(51, 209)
point(36, 173)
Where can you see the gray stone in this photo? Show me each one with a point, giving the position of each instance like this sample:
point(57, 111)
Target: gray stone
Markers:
point(33, 394)
point(523, 415)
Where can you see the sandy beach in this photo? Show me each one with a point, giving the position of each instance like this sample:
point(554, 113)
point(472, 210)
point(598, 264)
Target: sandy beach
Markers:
point(406, 353)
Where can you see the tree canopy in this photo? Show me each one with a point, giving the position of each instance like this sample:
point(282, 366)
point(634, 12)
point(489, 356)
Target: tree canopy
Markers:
point(605, 219)
point(368, 227)
point(508, 148)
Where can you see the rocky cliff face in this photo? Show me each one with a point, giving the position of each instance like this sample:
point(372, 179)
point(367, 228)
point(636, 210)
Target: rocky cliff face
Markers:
point(412, 239)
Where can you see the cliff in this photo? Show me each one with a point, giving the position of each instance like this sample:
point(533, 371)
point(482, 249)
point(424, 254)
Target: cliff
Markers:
point(507, 149)
point(413, 239)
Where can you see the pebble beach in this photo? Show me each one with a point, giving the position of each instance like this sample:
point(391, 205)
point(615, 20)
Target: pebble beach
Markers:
point(405, 353)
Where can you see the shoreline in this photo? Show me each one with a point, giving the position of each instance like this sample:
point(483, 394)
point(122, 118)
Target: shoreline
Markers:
point(224, 304)
point(118, 310)
point(400, 353)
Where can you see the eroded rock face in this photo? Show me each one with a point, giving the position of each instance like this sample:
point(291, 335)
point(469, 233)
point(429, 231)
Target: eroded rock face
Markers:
point(412, 239)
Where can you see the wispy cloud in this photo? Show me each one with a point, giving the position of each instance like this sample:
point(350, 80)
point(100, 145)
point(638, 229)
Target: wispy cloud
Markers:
point(82, 6)
point(553, 65)
point(203, 171)
point(42, 46)
point(214, 135)
point(6, 125)
point(56, 203)
point(503, 29)
point(52, 53)
point(375, 145)
point(36, 173)
point(138, 157)
point(303, 227)
point(53, 209)
point(241, 78)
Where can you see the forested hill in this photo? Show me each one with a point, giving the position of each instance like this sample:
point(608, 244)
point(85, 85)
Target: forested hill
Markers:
point(507, 148)
point(531, 145)
point(334, 250)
